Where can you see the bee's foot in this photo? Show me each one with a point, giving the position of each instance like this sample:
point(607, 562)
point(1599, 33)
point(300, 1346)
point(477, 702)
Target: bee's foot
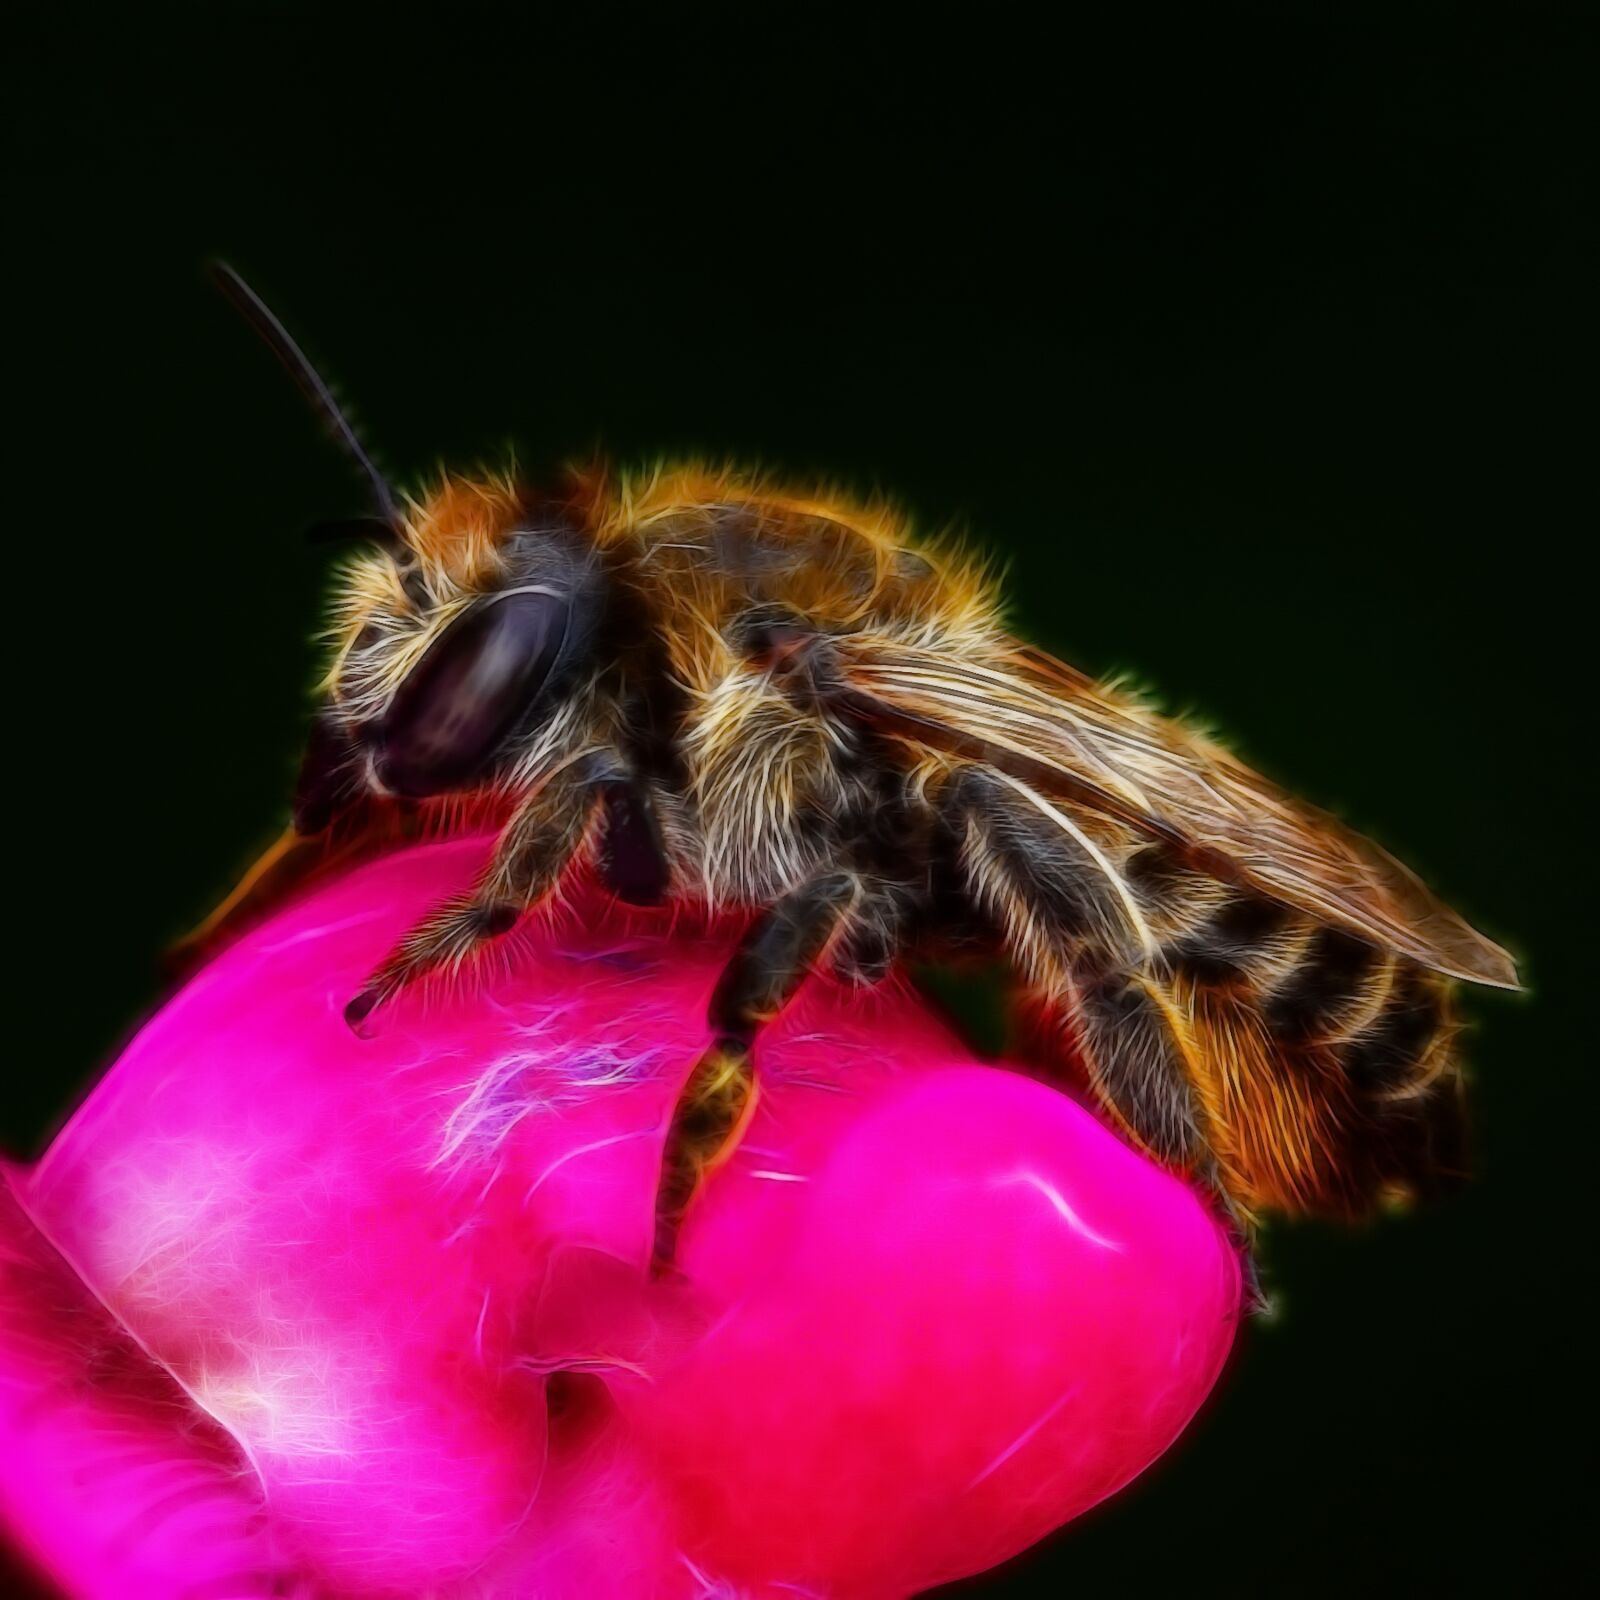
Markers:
point(1241, 1234)
point(664, 1266)
point(681, 1177)
point(1257, 1302)
point(358, 1013)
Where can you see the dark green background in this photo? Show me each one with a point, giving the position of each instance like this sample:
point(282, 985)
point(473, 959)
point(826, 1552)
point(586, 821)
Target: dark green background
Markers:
point(1252, 340)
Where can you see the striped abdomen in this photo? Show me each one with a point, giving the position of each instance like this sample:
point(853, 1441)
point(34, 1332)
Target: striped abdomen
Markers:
point(1322, 1065)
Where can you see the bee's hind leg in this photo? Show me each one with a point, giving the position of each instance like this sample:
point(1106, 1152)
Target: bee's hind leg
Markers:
point(717, 1103)
point(1064, 925)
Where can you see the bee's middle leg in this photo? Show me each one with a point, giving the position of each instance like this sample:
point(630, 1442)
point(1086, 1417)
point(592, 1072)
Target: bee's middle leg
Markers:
point(718, 1101)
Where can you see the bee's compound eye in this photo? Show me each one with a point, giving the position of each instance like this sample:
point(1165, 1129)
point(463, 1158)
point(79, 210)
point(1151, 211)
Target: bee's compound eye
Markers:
point(470, 689)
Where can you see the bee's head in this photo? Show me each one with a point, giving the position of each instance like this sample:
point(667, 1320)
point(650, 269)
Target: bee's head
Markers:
point(462, 626)
point(457, 641)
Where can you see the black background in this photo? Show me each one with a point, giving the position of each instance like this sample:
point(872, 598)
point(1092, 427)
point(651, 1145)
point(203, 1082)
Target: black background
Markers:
point(1252, 339)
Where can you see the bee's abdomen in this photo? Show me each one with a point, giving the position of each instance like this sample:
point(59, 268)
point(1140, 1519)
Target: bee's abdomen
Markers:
point(1331, 1078)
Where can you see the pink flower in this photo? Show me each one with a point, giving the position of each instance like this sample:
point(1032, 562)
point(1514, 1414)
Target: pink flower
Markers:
point(371, 1315)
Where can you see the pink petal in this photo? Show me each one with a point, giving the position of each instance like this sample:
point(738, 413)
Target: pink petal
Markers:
point(930, 1311)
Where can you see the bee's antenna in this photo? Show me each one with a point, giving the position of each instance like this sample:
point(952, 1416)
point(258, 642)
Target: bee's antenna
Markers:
point(310, 383)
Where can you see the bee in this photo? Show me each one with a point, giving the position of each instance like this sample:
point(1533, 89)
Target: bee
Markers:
point(721, 691)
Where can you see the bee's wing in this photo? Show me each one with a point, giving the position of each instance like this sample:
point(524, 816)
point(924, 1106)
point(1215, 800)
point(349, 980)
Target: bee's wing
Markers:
point(1023, 711)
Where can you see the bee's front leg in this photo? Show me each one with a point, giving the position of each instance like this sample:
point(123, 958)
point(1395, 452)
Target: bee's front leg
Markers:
point(718, 1101)
point(529, 858)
